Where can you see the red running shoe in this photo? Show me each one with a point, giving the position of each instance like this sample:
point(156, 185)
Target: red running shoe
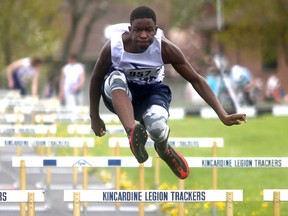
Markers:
point(137, 140)
point(176, 162)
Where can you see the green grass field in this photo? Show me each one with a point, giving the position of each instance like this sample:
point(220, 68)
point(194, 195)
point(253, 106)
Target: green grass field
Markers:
point(264, 136)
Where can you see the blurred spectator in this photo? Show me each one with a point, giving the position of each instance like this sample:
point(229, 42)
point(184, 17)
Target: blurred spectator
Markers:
point(20, 72)
point(213, 79)
point(72, 81)
point(274, 91)
point(246, 88)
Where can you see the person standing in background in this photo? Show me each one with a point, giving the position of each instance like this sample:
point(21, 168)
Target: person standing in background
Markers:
point(20, 72)
point(72, 81)
point(274, 91)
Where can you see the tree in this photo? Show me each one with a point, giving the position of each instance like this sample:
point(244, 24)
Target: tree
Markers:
point(85, 12)
point(28, 28)
point(253, 23)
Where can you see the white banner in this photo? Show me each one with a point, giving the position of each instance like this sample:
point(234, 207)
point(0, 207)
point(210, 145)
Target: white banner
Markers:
point(153, 195)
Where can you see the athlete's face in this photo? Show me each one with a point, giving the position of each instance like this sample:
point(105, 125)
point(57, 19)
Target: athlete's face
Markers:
point(142, 32)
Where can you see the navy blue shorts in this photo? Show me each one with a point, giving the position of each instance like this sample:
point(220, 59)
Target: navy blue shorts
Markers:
point(143, 97)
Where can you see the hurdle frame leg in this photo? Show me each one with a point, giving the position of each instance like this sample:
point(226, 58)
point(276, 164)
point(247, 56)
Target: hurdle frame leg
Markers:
point(229, 204)
point(22, 186)
point(85, 177)
point(214, 177)
point(181, 186)
point(117, 175)
point(157, 170)
point(76, 204)
point(31, 204)
point(276, 203)
point(48, 179)
point(75, 169)
point(141, 187)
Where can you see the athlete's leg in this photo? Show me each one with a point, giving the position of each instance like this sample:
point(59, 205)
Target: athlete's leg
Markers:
point(155, 120)
point(116, 90)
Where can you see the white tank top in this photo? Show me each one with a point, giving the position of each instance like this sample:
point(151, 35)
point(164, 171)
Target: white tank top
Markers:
point(139, 68)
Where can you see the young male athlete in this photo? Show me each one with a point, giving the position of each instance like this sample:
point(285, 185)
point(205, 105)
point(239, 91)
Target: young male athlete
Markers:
point(129, 75)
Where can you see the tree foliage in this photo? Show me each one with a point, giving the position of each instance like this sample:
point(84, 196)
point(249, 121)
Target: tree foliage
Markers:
point(28, 27)
point(185, 13)
point(253, 23)
point(81, 14)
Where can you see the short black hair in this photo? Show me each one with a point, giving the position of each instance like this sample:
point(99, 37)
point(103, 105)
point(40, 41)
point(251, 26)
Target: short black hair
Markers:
point(142, 12)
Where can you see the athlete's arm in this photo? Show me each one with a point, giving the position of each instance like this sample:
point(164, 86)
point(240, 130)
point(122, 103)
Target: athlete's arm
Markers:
point(171, 54)
point(97, 78)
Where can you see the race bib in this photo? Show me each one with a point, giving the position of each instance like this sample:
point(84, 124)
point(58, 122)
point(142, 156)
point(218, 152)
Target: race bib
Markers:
point(141, 73)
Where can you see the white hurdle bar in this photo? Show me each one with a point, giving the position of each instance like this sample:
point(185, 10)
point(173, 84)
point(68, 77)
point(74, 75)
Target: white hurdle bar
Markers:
point(275, 196)
point(19, 130)
point(280, 110)
point(237, 162)
point(208, 112)
point(23, 196)
point(46, 142)
point(61, 117)
point(140, 196)
point(28, 129)
point(12, 118)
point(50, 142)
point(86, 129)
point(77, 162)
point(101, 161)
point(173, 141)
point(11, 196)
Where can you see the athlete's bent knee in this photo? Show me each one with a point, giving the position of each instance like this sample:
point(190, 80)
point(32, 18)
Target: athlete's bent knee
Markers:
point(115, 81)
point(155, 120)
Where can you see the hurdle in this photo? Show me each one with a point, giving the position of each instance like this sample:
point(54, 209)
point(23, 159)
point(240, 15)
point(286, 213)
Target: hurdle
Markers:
point(275, 196)
point(29, 197)
point(85, 129)
point(280, 110)
point(200, 142)
point(49, 142)
point(237, 162)
point(142, 196)
point(80, 162)
point(12, 118)
point(25, 129)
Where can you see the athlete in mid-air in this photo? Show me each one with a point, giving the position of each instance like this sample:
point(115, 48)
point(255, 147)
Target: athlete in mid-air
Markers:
point(129, 75)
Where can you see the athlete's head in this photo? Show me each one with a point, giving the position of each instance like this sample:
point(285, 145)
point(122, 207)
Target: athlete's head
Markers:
point(143, 27)
point(142, 12)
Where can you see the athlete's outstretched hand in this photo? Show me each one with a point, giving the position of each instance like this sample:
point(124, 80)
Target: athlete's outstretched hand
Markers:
point(234, 119)
point(98, 126)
